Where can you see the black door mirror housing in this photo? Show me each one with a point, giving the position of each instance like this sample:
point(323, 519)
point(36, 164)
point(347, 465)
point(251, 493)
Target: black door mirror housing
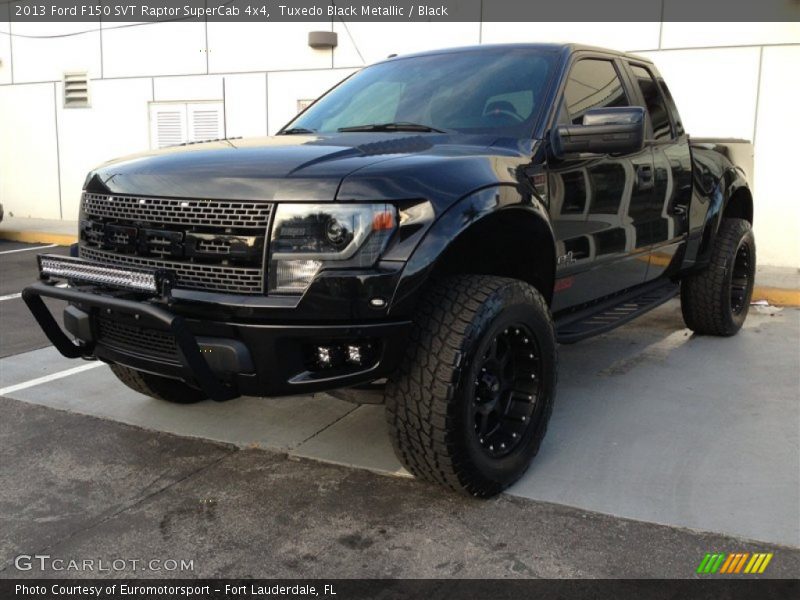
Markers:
point(615, 130)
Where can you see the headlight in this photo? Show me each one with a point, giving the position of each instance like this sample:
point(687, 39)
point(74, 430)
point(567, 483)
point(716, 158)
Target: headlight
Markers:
point(307, 237)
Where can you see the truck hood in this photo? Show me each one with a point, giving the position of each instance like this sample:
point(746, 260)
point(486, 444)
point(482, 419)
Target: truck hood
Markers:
point(284, 168)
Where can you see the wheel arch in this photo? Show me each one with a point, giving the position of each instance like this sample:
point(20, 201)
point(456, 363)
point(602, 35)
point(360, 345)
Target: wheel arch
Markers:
point(739, 204)
point(736, 202)
point(492, 232)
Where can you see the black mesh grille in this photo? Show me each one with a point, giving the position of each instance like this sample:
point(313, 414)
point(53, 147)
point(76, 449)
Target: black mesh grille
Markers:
point(209, 245)
point(236, 280)
point(211, 213)
point(137, 340)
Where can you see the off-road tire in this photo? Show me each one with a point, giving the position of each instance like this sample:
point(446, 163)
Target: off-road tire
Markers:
point(429, 399)
point(706, 296)
point(161, 388)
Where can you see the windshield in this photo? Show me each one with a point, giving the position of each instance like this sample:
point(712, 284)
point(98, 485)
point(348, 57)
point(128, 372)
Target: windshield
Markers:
point(495, 90)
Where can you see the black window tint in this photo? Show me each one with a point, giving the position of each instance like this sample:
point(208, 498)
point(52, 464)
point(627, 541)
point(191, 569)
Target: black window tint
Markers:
point(654, 101)
point(676, 117)
point(574, 193)
point(592, 83)
point(608, 183)
point(498, 91)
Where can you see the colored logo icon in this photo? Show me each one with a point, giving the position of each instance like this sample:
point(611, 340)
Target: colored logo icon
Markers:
point(734, 563)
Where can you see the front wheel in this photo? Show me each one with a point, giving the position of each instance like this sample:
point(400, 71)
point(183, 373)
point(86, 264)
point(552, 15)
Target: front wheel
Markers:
point(715, 301)
point(469, 406)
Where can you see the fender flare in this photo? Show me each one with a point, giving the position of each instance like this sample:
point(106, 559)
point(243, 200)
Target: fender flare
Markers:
point(731, 183)
point(455, 222)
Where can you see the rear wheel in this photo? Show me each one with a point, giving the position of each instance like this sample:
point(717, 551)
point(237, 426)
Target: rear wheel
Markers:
point(162, 388)
point(470, 404)
point(715, 301)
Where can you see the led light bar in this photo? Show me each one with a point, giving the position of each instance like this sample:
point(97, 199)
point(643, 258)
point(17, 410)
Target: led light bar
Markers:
point(66, 267)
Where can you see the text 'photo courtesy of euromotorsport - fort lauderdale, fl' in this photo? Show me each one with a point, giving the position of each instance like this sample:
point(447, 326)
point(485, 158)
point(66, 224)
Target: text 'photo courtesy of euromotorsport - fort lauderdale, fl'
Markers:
point(460, 299)
point(170, 590)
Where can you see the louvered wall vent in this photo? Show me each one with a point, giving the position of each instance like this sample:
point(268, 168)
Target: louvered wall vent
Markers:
point(76, 90)
point(181, 122)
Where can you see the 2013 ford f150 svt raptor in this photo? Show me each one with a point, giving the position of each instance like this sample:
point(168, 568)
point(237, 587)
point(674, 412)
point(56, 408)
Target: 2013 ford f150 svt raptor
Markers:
point(424, 234)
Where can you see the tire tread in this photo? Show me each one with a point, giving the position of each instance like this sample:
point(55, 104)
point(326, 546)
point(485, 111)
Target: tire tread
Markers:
point(420, 398)
point(703, 305)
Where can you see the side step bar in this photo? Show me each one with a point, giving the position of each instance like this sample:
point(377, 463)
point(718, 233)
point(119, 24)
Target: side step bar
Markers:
point(614, 312)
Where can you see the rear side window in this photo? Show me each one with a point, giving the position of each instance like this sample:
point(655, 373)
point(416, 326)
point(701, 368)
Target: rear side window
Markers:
point(592, 83)
point(654, 101)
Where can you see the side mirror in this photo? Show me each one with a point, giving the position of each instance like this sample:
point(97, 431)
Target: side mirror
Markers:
point(617, 130)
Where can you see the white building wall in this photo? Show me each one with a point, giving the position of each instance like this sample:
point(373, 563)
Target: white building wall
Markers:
point(93, 135)
point(729, 80)
point(29, 169)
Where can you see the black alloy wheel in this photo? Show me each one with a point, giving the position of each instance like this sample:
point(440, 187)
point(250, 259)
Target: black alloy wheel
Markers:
point(506, 391)
point(469, 406)
point(740, 281)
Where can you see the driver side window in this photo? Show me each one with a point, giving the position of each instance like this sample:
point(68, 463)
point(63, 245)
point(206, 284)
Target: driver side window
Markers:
point(592, 83)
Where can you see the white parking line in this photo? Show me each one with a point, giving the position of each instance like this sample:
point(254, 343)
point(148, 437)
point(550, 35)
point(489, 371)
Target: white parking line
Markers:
point(31, 248)
point(52, 377)
point(19, 294)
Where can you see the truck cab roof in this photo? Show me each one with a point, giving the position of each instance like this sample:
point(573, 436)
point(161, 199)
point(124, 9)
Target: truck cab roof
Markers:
point(561, 48)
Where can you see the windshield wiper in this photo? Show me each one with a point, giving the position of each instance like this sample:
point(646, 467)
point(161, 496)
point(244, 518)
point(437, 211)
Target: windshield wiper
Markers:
point(399, 126)
point(295, 131)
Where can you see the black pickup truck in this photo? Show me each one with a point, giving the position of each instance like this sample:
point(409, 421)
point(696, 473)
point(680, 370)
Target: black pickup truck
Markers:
point(423, 235)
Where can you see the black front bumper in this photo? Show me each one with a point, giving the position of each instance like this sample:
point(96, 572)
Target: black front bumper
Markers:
point(224, 358)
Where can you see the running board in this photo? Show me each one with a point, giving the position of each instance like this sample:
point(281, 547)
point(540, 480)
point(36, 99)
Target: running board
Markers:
point(614, 312)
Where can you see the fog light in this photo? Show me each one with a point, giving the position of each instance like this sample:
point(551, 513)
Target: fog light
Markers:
point(354, 354)
point(324, 356)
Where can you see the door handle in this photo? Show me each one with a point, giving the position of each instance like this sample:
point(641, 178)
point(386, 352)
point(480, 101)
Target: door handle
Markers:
point(644, 176)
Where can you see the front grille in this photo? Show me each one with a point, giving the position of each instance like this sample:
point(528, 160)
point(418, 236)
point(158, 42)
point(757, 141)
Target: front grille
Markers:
point(209, 245)
point(137, 340)
point(205, 213)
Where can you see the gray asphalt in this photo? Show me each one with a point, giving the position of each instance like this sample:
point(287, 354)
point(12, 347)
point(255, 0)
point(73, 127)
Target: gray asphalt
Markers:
point(19, 332)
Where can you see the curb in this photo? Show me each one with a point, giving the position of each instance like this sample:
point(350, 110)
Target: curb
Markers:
point(773, 295)
point(39, 237)
point(777, 296)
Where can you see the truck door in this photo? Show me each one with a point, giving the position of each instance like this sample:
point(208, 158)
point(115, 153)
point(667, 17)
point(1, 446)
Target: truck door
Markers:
point(663, 225)
point(596, 200)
